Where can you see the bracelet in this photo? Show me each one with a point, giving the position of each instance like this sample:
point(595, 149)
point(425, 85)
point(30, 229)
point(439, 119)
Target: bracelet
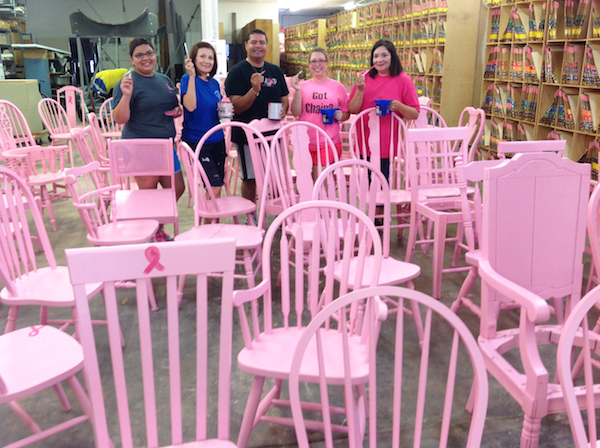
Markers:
point(254, 92)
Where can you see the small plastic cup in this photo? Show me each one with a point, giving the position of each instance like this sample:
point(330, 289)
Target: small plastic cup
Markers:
point(381, 107)
point(225, 109)
point(329, 115)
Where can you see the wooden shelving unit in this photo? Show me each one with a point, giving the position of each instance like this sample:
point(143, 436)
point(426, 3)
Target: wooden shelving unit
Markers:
point(541, 79)
point(299, 40)
point(435, 41)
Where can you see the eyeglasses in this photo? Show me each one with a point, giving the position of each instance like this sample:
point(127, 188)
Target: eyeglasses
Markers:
point(319, 61)
point(140, 56)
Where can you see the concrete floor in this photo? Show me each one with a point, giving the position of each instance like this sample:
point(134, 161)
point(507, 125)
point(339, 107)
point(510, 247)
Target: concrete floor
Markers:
point(504, 416)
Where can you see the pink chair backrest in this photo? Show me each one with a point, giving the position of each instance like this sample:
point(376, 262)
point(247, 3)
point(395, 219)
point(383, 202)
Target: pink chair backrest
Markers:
point(18, 134)
point(528, 202)
point(17, 253)
point(54, 116)
point(142, 262)
point(82, 144)
point(141, 157)
point(107, 121)
point(474, 119)
point(425, 101)
point(359, 183)
point(557, 146)
point(69, 96)
point(428, 117)
point(98, 142)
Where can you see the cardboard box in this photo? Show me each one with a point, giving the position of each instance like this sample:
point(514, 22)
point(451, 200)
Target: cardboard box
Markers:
point(16, 37)
point(4, 37)
point(34, 53)
point(25, 94)
point(4, 25)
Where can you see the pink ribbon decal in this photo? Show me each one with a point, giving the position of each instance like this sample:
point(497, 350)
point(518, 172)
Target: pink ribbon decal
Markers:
point(70, 100)
point(35, 331)
point(153, 256)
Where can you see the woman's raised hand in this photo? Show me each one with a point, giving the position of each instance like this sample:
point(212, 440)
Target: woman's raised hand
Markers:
point(189, 67)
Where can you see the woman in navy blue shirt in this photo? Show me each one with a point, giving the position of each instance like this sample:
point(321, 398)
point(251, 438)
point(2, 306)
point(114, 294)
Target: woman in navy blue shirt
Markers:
point(200, 94)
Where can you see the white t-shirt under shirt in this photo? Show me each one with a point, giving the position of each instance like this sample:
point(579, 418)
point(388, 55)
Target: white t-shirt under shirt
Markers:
point(329, 94)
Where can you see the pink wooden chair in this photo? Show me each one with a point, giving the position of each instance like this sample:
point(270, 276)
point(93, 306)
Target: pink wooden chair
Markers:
point(290, 160)
point(474, 119)
point(91, 199)
point(41, 168)
point(425, 101)
point(428, 117)
point(360, 183)
point(267, 353)
point(435, 195)
point(81, 141)
point(593, 230)
point(99, 143)
point(365, 128)
point(144, 157)
point(266, 128)
point(557, 146)
point(110, 128)
point(57, 123)
point(25, 282)
point(528, 201)
point(69, 96)
point(33, 359)
point(248, 238)
point(407, 389)
point(154, 417)
point(577, 334)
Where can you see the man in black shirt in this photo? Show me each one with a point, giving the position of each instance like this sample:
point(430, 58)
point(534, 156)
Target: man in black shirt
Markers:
point(251, 85)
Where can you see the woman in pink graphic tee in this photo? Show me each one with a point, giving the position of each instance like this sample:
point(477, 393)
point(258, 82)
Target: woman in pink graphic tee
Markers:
point(385, 81)
point(320, 92)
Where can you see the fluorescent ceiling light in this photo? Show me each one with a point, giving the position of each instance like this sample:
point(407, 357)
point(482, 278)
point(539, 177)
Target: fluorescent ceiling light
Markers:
point(348, 6)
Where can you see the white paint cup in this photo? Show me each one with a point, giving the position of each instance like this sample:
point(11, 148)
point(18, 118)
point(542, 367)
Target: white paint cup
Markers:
point(274, 111)
point(225, 109)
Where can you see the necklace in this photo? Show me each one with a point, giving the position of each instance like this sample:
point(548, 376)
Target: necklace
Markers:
point(261, 71)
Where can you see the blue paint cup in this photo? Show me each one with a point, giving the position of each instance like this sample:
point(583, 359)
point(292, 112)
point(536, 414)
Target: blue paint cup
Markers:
point(329, 115)
point(381, 107)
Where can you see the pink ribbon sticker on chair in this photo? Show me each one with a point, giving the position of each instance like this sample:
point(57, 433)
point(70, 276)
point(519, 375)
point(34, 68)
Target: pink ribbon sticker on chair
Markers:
point(153, 256)
point(35, 331)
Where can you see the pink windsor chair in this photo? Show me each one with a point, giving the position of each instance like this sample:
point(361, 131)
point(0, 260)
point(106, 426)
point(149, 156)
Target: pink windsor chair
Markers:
point(70, 96)
point(366, 128)
point(474, 119)
point(248, 238)
point(151, 417)
point(292, 180)
point(428, 118)
point(32, 360)
point(81, 140)
point(57, 123)
point(576, 334)
point(39, 167)
point(360, 183)
point(461, 362)
point(25, 282)
point(99, 143)
point(143, 157)
point(91, 199)
point(110, 128)
point(435, 195)
point(267, 128)
point(528, 201)
point(302, 295)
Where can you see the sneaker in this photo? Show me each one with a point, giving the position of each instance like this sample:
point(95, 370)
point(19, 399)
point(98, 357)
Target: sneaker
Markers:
point(162, 236)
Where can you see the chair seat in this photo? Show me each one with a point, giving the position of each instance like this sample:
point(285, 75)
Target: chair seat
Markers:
point(430, 193)
point(246, 237)
point(45, 178)
point(46, 355)
point(228, 206)
point(44, 287)
point(156, 204)
point(271, 355)
point(125, 232)
point(112, 134)
point(396, 197)
point(393, 272)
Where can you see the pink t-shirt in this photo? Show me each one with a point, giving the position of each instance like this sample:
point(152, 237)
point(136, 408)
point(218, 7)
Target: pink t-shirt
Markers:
point(329, 94)
point(400, 88)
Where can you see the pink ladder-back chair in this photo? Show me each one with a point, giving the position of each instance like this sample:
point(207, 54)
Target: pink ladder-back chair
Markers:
point(461, 362)
point(25, 282)
point(144, 157)
point(33, 359)
point(167, 261)
point(528, 201)
point(69, 96)
point(268, 351)
point(577, 349)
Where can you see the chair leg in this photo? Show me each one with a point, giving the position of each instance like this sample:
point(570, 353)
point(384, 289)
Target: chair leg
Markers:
point(439, 241)
point(250, 411)
point(11, 320)
point(465, 289)
point(62, 397)
point(412, 237)
point(25, 417)
point(180, 289)
point(151, 298)
point(47, 204)
point(530, 435)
